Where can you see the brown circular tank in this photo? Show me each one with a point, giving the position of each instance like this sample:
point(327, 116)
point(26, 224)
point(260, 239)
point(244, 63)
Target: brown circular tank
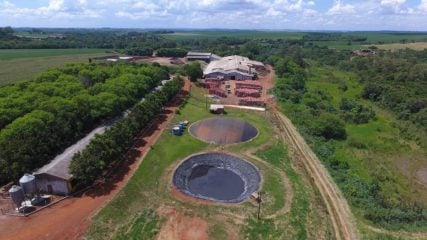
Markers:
point(223, 130)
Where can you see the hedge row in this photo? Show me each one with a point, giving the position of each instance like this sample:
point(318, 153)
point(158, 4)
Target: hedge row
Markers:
point(107, 148)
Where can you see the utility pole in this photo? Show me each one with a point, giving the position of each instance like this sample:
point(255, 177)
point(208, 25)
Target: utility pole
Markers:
point(259, 200)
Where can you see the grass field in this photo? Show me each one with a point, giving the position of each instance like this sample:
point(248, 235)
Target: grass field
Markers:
point(137, 207)
point(372, 37)
point(11, 54)
point(419, 46)
point(235, 34)
point(26, 64)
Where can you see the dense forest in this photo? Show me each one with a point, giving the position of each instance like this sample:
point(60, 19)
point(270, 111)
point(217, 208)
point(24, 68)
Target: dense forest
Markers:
point(40, 118)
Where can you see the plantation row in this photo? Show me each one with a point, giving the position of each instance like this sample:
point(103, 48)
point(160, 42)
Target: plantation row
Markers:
point(40, 118)
point(104, 149)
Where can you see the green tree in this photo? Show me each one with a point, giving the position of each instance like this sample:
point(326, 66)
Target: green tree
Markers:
point(193, 71)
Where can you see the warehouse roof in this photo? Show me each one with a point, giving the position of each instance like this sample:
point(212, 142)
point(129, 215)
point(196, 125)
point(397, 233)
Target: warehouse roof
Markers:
point(59, 166)
point(203, 55)
point(232, 63)
point(199, 54)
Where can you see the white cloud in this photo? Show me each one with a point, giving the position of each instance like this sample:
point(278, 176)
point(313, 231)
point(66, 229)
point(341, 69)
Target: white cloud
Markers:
point(423, 5)
point(392, 3)
point(283, 14)
point(338, 8)
point(54, 9)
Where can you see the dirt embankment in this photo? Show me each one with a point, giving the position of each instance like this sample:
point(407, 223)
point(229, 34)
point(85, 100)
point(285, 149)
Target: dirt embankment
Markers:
point(340, 214)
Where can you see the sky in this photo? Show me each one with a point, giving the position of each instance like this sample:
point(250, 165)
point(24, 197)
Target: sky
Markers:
point(407, 15)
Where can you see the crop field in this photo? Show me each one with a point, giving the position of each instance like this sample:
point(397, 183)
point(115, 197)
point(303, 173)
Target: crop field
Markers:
point(18, 65)
point(148, 207)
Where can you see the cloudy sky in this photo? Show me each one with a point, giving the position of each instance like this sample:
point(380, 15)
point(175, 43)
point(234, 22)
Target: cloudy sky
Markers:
point(235, 14)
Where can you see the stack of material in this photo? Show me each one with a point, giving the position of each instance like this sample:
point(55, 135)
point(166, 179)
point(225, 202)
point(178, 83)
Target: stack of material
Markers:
point(216, 80)
point(249, 84)
point(210, 85)
point(243, 92)
point(248, 101)
point(218, 92)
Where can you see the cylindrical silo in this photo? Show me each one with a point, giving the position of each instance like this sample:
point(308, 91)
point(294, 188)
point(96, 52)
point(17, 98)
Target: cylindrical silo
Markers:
point(17, 195)
point(28, 184)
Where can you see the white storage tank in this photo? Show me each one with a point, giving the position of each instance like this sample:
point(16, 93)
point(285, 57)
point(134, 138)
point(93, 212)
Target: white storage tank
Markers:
point(28, 184)
point(17, 195)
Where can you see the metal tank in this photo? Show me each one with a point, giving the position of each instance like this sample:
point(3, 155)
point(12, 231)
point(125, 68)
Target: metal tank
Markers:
point(17, 195)
point(28, 184)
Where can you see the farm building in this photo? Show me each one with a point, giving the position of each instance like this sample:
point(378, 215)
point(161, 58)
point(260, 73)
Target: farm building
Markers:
point(55, 177)
point(233, 68)
point(202, 56)
point(217, 108)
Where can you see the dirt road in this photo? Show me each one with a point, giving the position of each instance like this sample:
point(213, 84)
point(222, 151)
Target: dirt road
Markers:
point(70, 218)
point(339, 211)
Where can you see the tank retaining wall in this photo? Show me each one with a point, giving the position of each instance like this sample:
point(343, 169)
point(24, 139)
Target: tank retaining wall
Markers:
point(247, 172)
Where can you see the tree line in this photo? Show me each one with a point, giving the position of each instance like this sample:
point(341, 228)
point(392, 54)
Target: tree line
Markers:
point(107, 148)
point(40, 118)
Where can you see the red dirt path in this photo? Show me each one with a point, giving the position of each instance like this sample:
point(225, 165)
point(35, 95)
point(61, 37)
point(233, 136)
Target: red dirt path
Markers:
point(70, 218)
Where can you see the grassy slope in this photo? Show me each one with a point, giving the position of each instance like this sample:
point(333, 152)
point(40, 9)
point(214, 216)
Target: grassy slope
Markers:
point(25, 67)
point(148, 189)
point(382, 139)
point(384, 146)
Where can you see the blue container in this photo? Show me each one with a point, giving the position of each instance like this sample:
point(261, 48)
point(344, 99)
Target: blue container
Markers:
point(176, 131)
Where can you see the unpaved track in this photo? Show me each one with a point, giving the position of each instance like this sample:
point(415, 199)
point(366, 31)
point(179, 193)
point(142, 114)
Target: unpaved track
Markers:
point(340, 214)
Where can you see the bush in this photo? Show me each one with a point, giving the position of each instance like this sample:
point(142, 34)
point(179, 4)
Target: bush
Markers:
point(329, 126)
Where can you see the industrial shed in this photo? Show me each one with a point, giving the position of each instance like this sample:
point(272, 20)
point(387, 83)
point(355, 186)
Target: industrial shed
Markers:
point(55, 177)
point(202, 56)
point(233, 68)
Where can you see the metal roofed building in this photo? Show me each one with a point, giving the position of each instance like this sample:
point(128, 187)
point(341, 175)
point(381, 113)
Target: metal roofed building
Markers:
point(202, 56)
point(55, 176)
point(233, 68)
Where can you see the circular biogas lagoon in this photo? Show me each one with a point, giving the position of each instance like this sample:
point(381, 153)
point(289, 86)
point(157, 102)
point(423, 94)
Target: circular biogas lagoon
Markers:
point(217, 177)
point(223, 130)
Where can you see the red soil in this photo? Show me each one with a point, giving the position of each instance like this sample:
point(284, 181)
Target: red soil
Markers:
point(70, 218)
point(181, 227)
